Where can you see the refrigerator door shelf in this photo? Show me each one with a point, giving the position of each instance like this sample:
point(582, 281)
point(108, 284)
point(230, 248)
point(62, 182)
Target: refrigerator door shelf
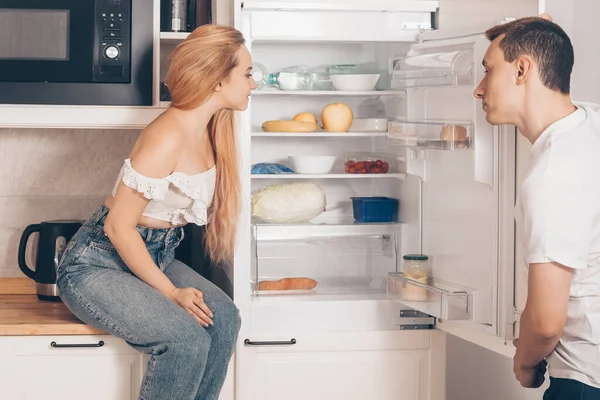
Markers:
point(440, 135)
point(432, 69)
point(436, 298)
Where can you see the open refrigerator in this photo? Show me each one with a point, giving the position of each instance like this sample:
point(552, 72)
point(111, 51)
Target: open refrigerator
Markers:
point(456, 194)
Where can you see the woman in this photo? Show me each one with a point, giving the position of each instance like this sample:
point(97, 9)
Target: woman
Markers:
point(118, 273)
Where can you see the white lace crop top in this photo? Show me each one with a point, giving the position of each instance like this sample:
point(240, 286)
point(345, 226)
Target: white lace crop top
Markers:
point(177, 198)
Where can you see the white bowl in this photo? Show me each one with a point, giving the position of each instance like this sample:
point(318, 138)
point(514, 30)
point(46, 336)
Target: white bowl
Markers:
point(369, 125)
point(312, 164)
point(354, 81)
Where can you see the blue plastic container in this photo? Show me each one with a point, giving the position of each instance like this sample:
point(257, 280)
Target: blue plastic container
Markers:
point(375, 209)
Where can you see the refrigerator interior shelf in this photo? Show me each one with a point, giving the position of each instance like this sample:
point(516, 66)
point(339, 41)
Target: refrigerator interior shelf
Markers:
point(344, 228)
point(442, 135)
point(437, 298)
point(391, 175)
point(324, 134)
point(331, 93)
point(331, 286)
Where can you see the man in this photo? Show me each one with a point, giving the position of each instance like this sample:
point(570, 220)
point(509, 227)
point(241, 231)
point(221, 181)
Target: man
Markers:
point(528, 68)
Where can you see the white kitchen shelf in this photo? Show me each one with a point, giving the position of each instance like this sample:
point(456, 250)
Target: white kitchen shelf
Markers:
point(77, 117)
point(389, 175)
point(318, 134)
point(356, 93)
point(439, 299)
point(342, 228)
point(173, 36)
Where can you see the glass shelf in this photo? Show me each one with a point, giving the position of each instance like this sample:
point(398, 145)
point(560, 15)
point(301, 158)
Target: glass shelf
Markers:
point(342, 228)
point(328, 286)
point(442, 135)
point(315, 93)
point(391, 175)
point(318, 134)
point(433, 69)
point(438, 299)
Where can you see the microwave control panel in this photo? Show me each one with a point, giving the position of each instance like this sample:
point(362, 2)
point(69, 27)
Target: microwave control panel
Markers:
point(112, 47)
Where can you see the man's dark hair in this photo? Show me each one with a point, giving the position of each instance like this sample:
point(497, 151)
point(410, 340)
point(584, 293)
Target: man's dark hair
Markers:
point(545, 42)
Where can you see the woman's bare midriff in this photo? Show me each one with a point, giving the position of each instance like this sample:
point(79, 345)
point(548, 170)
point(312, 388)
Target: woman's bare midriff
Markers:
point(144, 221)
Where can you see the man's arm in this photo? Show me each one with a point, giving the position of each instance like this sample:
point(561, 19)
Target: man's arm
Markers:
point(545, 313)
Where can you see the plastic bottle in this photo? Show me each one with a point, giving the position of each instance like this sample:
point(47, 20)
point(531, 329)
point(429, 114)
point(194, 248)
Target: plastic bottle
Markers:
point(291, 78)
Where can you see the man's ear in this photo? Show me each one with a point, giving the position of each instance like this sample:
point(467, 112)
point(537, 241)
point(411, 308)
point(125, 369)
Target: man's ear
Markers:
point(546, 16)
point(523, 65)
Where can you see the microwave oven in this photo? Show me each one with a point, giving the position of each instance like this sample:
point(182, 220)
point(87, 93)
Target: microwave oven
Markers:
point(76, 52)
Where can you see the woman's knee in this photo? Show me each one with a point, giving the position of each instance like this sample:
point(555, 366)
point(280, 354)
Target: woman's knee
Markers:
point(189, 340)
point(227, 318)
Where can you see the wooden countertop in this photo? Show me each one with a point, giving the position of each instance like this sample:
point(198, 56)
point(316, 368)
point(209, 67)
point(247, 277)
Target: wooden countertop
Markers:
point(22, 313)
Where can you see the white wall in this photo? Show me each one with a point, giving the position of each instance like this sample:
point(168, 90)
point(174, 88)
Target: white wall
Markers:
point(53, 174)
point(585, 84)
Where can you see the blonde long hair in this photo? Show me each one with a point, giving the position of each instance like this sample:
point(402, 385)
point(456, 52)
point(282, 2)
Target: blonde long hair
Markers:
point(197, 66)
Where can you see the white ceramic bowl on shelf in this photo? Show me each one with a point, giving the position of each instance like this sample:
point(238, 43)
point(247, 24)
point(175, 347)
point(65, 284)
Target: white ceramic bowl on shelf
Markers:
point(369, 125)
point(312, 164)
point(354, 81)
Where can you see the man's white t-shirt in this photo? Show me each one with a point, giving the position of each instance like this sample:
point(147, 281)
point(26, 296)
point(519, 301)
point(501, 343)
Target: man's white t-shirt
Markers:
point(558, 218)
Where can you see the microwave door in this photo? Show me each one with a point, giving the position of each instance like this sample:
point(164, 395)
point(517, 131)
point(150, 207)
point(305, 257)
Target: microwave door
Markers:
point(65, 41)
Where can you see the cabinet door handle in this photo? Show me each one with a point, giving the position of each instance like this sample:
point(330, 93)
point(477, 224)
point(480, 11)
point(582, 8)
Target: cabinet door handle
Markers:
point(248, 342)
point(57, 345)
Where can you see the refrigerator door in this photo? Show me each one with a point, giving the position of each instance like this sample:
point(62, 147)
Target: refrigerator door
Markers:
point(467, 168)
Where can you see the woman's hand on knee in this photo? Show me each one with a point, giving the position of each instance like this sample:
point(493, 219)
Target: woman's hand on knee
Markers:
point(192, 301)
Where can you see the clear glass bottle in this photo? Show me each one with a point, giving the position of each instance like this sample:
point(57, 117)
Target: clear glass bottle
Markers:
point(415, 267)
point(292, 78)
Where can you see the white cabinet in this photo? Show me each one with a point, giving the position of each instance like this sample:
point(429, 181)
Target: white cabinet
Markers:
point(68, 368)
point(75, 368)
point(346, 365)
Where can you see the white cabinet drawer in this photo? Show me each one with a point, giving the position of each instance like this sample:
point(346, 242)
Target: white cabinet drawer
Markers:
point(352, 366)
point(69, 368)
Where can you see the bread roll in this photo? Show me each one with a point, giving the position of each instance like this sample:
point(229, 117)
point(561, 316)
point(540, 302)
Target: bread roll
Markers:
point(288, 284)
point(306, 117)
point(288, 126)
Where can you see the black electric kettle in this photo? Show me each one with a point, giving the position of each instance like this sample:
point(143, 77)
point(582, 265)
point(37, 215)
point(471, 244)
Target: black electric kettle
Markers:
point(52, 240)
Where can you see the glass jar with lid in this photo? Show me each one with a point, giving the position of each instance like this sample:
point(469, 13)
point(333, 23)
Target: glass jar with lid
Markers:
point(415, 267)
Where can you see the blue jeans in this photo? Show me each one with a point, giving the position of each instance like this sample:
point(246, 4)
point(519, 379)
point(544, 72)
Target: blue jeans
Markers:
point(569, 389)
point(187, 360)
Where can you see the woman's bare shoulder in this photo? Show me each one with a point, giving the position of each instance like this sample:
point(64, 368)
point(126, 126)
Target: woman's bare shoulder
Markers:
point(158, 147)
